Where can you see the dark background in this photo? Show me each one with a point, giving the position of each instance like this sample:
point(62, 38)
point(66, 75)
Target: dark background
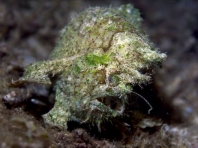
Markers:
point(28, 32)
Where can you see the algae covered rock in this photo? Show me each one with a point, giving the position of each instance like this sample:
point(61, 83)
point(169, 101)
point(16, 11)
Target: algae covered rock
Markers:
point(95, 65)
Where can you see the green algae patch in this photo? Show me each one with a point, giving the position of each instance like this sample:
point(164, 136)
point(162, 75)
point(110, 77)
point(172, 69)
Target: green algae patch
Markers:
point(94, 60)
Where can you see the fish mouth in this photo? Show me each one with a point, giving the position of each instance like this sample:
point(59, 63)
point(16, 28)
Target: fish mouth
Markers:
point(114, 103)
